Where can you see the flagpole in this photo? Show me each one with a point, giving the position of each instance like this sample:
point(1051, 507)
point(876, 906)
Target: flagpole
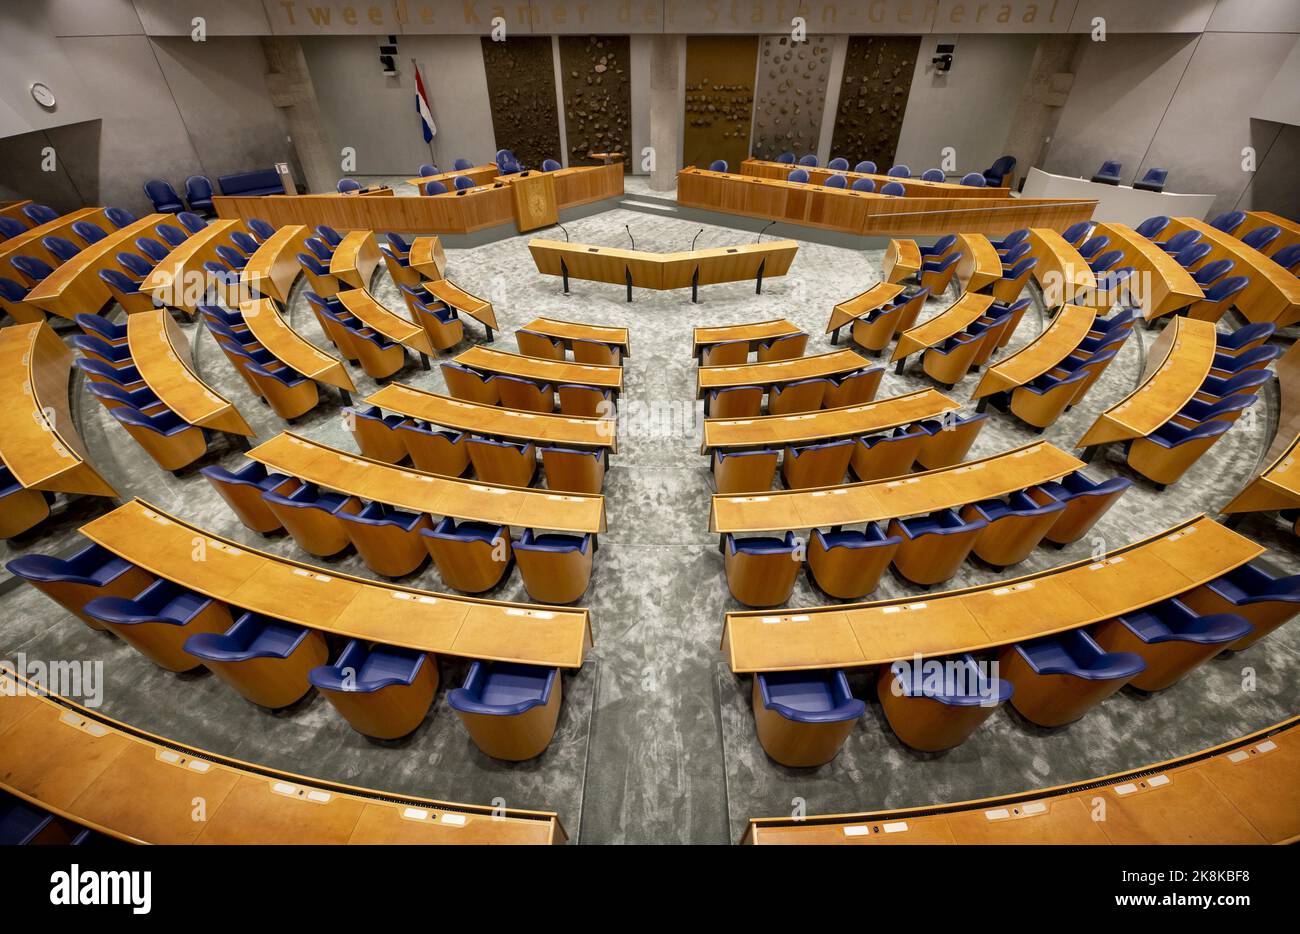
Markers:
point(432, 155)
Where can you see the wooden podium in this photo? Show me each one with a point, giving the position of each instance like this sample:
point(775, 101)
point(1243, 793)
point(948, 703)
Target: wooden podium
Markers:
point(535, 204)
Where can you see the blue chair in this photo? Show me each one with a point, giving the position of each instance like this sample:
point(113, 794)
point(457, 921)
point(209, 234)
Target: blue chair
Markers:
point(261, 229)
point(242, 490)
point(135, 265)
point(348, 185)
point(932, 717)
point(163, 196)
point(1244, 338)
point(198, 193)
point(866, 167)
point(119, 217)
point(809, 160)
point(125, 377)
point(837, 181)
point(326, 235)
point(308, 514)
point(88, 232)
point(471, 557)
point(92, 572)
point(173, 235)
point(899, 171)
point(1106, 261)
point(1230, 364)
point(761, 571)
point(62, 248)
point(1214, 387)
point(1288, 258)
point(816, 465)
point(1171, 638)
point(1015, 254)
point(400, 246)
point(936, 175)
point(106, 330)
point(375, 434)
point(462, 182)
point(1108, 174)
point(29, 267)
point(888, 455)
point(509, 710)
point(506, 162)
point(1218, 298)
point(152, 249)
point(426, 170)
point(1060, 678)
point(838, 164)
point(1180, 241)
point(1085, 501)
point(244, 243)
point(786, 158)
point(749, 471)
point(10, 227)
point(387, 539)
point(158, 621)
point(12, 297)
point(232, 257)
point(1015, 238)
point(934, 546)
point(1153, 180)
point(1076, 233)
point(1264, 601)
point(863, 184)
point(1228, 408)
point(972, 179)
point(804, 717)
point(848, 564)
point(893, 188)
point(318, 248)
point(1212, 271)
point(1229, 221)
point(1092, 247)
point(1152, 227)
point(384, 692)
point(462, 164)
point(1168, 452)
point(1192, 255)
point(996, 174)
point(94, 346)
point(267, 661)
point(435, 188)
point(797, 175)
point(171, 441)
point(718, 165)
point(555, 568)
point(1261, 237)
point(550, 165)
point(1016, 525)
point(40, 214)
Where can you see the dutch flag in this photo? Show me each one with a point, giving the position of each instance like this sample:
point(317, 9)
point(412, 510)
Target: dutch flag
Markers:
point(422, 107)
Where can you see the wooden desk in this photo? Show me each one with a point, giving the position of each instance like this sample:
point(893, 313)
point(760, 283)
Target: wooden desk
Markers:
point(480, 309)
point(542, 370)
point(161, 352)
point(569, 331)
point(428, 258)
point(776, 372)
point(954, 319)
point(845, 422)
point(980, 265)
point(497, 421)
point(355, 259)
point(847, 312)
point(29, 243)
point(914, 187)
point(1273, 294)
point(999, 613)
point(1062, 273)
point(141, 788)
point(417, 491)
point(392, 326)
point(479, 175)
point(38, 438)
point(1243, 791)
point(1177, 364)
point(895, 498)
point(14, 211)
point(1172, 286)
point(179, 280)
point(1290, 230)
point(291, 348)
point(902, 260)
point(351, 607)
point(75, 287)
point(755, 331)
point(273, 267)
point(1277, 486)
point(1058, 340)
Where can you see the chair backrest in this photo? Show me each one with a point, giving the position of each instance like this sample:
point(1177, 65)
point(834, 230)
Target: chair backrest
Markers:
point(786, 158)
point(151, 248)
point(866, 167)
point(1109, 168)
point(974, 180)
point(1261, 237)
point(718, 165)
point(119, 217)
point(863, 184)
point(550, 165)
point(810, 159)
point(1228, 221)
point(11, 227)
point(838, 164)
point(435, 188)
point(1094, 246)
point(173, 235)
point(1226, 288)
point(260, 228)
point(61, 247)
point(797, 175)
point(1076, 232)
point(318, 247)
point(461, 164)
point(1001, 166)
point(161, 193)
point(135, 264)
point(461, 182)
point(899, 171)
point(31, 267)
point(426, 170)
point(349, 184)
point(191, 221)
point(40, 214)
point(230, 256)
point(1106, 260)
point(198, 188)
point(1288, 257)
point(1152, 226)
point(893, 188)
point(91, 233)
point(116, 280)
point(837, 181)
point(1193, 254)
point(936, 175)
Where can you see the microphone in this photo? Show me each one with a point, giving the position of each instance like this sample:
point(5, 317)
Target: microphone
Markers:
point(629, 235)
point(566, 232)
point(696, 237)
point(763, 231)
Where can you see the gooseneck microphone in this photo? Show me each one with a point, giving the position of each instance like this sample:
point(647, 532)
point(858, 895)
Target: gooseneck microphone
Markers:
point(763, 231)
point(696, 237)
point(629, 235)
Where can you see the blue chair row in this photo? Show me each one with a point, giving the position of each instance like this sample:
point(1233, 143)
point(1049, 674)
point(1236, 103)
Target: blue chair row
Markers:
point(288, 392)
point(165, 200)
point(378, 356)
point(26, 824)
point(512, 392)
point(803, 395)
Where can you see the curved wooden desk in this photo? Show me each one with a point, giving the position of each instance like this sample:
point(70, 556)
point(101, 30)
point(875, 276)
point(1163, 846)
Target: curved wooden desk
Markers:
point(75, 287)
point(29, 243)
point(980, 265)
point(497, 421)
point(1172, 286)
point(902, 260)
point(1062, 273)
point(392, 326)
point(1273, 294)
point(845, 422)
point(541, 369)
point(776, 372)
point(291, 348)
point(999, 613)
point(1243, 791)
point(1058, 340)
point(752, 331)
point(568, 331)
point(38, 438)
point(1277, 486)
point(351, 607)
point(954, 319)
point(273, 267)
point(846, 312)
point(1177, 364)
point(161, 352)
point(1290, 230)
point(428, 258)
point(434, 494)
point(142, 788)
point(914, 187)
point(877, 500)
point(179, 280)
point(479, 309)
point(355, 259)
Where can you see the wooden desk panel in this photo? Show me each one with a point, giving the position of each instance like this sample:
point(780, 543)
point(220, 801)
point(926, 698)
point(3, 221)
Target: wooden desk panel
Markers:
point(331, 602)
point(1177, 364)
point(291, 348)
point(776, 372)
point(980, 264)
point(1260, 780)
point(541, 369)
point(1273, 294)
point(1290, 230)
point(845, 422)
point(274, 266)
point(574, 330)
point(75, 287)
point(902, 261)
point(161, 352)
point(1171, 286)
point(994, 614)
point(1062, 273)
point(534, 200)
point(428, 258)
point(663, 270)
point(878, 500)
point(176, 279)
point(29, 242)
point(355, 259)
point(1057, 341)
point(753, 332)
point(1277, 486)
point(845, 312)
point(378, 318)
point(38, 438)
point(497, 421)
point(479, 309)
point(954, 319)
point(417, 491)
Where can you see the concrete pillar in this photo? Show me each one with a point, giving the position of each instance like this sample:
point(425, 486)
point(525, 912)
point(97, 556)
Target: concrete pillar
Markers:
point(290, 84)
point(665, 107)
point(1039, 109)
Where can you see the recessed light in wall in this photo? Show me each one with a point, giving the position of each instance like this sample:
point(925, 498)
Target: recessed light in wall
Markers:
point(43, 96)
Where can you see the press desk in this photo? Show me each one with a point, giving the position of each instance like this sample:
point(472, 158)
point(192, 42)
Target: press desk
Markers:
point(479, 309)
point(980, 265)
point(844, 422)
point(541, 369)
point(896, 498)
point(291, 348)
point(82, 765)
point(351, 607)
point(1172, 286)
point(74, 286)
point(161, 352)
point(1243, 791)
point(29, 243)
point(428, 258)
point(995, 614)
point(434, 494)
point(954, 319)
point(1061, 272)
point(273, 267)
point(392, 326)
point(847, 312)
point(1177, 363)
point(902, 261)
point(174, 278)
point(776, 372)
point(1290, 230)
point(1273, 294)
point(702, 337)
point(1057, 341)
point(1277, 486)
point(355, 259)
point(573, 330)
point(497, 421)
point(38, 438)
